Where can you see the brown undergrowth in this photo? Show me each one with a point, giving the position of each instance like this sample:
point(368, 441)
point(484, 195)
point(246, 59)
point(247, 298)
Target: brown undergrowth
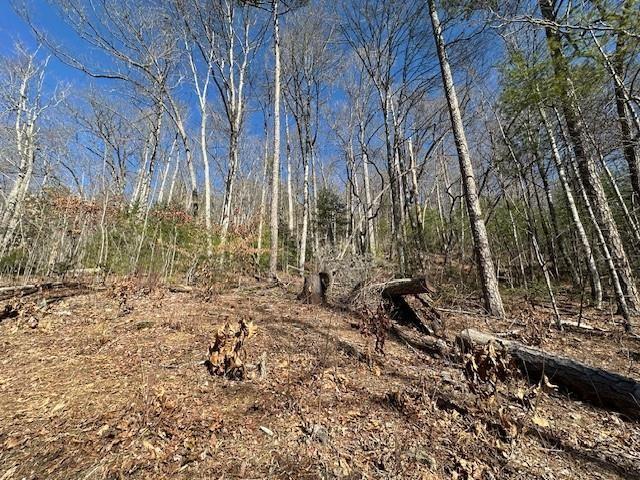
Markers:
point(100, 391)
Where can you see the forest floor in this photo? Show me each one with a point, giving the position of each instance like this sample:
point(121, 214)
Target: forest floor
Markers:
point(91, 392)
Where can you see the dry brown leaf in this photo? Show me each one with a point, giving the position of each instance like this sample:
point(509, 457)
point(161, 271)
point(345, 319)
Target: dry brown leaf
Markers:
point(540, 421)
point(227, 352)
point(12, 442)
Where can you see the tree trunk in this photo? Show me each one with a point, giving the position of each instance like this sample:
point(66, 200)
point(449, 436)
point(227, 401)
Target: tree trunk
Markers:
point(263, 190)
point(407, 286)
point(628, 147)
point(305, 216)
point(314, 206)
point(413, 194)
point(174, 177)
point(558, 233)
point(491, 293)
point(594, 276)
point(275, 174)
point(228, 186)
point(165, 174)
point(192, 196)
point(290, 218)
point(615, 66)
point(207, 174)
point(18, 206)
point(613, 274)
point(371, 240)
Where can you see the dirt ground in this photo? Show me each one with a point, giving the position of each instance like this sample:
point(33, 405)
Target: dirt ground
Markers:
point(95, 393)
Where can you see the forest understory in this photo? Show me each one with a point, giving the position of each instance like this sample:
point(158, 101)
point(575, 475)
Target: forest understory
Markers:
point(109, 381)
point(335, 239)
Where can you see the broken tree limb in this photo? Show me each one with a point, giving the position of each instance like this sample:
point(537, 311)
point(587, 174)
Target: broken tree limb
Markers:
point(424, 343)
point(601, 387)
point(582, 327)
point(407, 286)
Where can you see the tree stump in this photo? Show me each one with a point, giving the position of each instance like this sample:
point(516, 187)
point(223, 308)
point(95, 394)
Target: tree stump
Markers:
point(314, 290)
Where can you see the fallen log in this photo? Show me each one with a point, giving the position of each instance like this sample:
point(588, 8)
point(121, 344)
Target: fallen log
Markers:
point(601, 387)
point(24, 290)
point(582, 327)
point(12, 291)
point(417, 311)
point(180, 289)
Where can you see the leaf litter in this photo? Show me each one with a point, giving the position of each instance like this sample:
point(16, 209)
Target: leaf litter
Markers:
point(90, 394)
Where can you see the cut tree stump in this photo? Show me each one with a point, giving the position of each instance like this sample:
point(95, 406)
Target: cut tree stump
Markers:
point(314, 290)
point(603, 388)
point(407, 286)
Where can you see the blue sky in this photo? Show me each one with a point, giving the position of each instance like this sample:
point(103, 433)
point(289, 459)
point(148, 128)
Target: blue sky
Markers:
point(14, 29)
point(11, 27)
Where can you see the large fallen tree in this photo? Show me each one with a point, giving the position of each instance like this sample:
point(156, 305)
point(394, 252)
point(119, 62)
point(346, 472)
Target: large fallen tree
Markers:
point(601, 387)
point(405, 301)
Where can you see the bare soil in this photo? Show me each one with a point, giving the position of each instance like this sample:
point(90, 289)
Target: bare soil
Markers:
point(92, 392)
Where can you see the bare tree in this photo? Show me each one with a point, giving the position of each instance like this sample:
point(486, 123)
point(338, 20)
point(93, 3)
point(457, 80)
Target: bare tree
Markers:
point(308, 63)
point(489, 281)
point(22, 98)
point(586, 165)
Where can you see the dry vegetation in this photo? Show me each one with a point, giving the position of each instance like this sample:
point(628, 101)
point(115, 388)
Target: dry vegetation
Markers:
point(97, 391)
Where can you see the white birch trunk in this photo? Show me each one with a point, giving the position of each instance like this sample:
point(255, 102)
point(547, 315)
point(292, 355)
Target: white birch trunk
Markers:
point(275, 178)
point(305, 216)
point(371, 237)
point(263, 191)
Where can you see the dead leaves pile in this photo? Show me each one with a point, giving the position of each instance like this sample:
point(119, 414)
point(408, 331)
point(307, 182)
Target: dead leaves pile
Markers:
point(167, 433)
point(487, 366)
point(375, 325)
point(227, 354)
point(27, 311)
